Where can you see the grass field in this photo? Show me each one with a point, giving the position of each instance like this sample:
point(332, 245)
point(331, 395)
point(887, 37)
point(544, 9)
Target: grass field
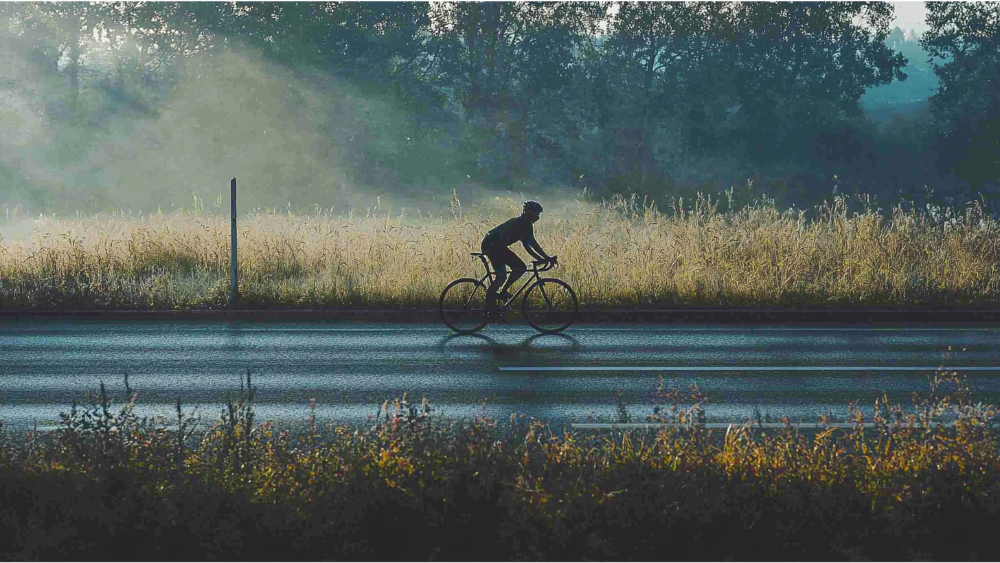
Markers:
point(409, 486)
point(619, 253)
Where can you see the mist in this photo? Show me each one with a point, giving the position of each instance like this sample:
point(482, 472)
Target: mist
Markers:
point(281, 133)
point(147, 107)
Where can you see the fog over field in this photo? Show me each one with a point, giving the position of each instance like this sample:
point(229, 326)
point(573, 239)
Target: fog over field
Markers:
point(236, 115)
point(351, 106)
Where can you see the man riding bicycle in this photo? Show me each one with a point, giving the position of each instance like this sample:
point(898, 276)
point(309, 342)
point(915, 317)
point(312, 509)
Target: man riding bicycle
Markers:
point(495, 247)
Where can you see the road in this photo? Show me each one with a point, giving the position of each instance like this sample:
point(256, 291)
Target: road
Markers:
point(351, 368)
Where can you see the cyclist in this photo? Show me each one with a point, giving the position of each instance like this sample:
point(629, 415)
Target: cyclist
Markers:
point(495, 247)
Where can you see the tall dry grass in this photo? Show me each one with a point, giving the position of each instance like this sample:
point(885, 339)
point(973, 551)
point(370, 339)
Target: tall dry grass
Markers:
point(620, 253)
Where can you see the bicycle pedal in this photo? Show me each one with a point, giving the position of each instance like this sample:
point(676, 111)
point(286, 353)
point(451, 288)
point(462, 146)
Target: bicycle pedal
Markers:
point(499, 316)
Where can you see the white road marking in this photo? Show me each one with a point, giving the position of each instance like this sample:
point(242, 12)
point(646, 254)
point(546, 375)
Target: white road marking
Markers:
point(748, 368)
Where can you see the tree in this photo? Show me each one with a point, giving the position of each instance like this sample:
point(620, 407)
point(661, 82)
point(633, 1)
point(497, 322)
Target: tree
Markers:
point(663, 63)
point(364, 41)
point(803, 66)
point(52, 31)
point(133, 37)
point(964, 37)
point(183, 30)
point(504, 61)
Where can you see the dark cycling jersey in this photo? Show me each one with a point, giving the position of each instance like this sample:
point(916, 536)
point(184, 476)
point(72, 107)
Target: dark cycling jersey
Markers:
point(511, 231)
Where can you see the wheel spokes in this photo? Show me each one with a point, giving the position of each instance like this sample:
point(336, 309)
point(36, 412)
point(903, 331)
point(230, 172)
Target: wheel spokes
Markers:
point(462, 305)
point(550, 306)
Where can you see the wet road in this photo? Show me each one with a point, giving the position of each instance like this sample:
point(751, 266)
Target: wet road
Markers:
point(351, 368)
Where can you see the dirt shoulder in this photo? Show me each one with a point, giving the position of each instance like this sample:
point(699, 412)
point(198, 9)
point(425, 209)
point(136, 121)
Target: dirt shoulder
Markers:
point(625, 316)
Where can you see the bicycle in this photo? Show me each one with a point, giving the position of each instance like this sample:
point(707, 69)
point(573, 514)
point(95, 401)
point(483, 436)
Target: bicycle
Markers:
point(549, 305)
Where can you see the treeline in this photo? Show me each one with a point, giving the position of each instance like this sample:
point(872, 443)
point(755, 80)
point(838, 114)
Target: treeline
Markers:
point(658, 98)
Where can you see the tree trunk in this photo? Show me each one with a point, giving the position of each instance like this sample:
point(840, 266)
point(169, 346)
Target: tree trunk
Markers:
point(518, 141)
point(180, 55)
point(644, 153)
point(73, 70)
point(471, 32)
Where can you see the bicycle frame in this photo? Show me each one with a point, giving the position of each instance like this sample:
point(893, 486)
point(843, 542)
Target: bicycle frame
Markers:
point(532, 278)
point(455, 313)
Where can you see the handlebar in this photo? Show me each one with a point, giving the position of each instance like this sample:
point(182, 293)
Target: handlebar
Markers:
point(548, 264)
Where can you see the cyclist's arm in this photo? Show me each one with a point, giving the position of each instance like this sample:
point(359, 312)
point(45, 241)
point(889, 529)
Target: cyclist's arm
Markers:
point(534, 249)
point(531, 250)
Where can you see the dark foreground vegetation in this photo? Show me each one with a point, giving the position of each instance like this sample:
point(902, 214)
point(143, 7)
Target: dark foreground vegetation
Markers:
point(109, 485)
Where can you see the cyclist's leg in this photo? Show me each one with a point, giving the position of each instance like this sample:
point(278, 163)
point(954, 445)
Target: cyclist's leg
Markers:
point(496, 259)
point(498, 270)
point(517, 269)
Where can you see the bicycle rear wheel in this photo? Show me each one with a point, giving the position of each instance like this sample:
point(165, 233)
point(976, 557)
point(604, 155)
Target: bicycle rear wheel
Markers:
point(463, 305)
point(549, 306)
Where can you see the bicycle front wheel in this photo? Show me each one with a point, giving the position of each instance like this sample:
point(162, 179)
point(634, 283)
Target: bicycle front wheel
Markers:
point(549, 306)
point(463, 305)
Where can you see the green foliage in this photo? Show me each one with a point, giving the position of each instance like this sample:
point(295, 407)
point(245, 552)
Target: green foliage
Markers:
point(504, 61)
point(802, 72)
point(965, 38)
point(645, 98)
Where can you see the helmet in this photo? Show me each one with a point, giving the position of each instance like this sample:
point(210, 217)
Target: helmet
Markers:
point(532, 206)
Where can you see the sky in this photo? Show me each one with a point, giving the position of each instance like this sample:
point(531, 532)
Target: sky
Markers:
point(910, 15)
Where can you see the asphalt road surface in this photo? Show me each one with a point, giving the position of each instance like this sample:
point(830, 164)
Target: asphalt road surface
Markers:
point(581, 376)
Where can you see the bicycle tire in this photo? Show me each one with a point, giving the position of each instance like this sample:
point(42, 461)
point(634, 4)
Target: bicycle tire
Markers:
point(549, 314)
point(471, 309)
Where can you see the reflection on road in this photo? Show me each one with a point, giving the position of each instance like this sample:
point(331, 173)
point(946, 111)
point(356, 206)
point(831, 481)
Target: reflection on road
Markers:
point(350, 368)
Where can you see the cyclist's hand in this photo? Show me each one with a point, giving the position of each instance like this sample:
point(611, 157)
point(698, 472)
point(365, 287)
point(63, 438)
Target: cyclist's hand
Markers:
point(553, 260)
